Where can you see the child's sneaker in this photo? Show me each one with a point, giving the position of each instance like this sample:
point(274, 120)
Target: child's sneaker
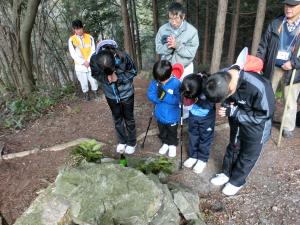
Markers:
point(199, 167)
point(190, 162)
point(163, 149)
point(130, 149)
point(220, 179)
point(230, 189)
point(172, 151)
point(121, 148)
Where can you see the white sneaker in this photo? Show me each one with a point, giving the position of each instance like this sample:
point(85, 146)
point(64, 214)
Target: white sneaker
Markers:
point(199, 167)
point(130, 149)
point(163, 149)
point(121, 148)
point(172, 151)
point(230, 189)
point(220, 179)
point(189, 162)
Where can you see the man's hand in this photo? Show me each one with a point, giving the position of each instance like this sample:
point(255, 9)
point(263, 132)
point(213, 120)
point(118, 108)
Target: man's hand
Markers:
point(222, 111)
point(112, 78)
point(171, 42)
point(287, 65)
point(86, 64)
point(234, 81)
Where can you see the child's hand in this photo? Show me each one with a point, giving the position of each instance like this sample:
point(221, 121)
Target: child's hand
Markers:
point(112, 78)
point(222, 111)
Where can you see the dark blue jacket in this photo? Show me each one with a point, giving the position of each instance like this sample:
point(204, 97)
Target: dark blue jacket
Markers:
point(255, 105)
point(167, 110)
point(268, 49)
point(125, 72)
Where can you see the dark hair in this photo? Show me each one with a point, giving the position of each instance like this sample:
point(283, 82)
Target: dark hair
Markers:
point(162, 70)
point(77, 24)
point(106, 61)
point(176, 8)
point(192, 86)
point(216, 87)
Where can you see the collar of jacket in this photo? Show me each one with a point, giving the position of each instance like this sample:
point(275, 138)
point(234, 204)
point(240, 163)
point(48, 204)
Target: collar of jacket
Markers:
point(277, 25)
point(181, 29)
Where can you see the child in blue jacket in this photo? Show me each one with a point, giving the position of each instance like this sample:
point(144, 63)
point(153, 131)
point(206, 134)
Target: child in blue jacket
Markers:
point(201, 123)
point(164, 92)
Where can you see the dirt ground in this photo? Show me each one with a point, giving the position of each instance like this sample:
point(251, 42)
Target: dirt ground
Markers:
point(271, 196)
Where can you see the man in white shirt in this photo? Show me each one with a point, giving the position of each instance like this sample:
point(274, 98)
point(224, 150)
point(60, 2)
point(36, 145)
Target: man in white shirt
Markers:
point(81, 47)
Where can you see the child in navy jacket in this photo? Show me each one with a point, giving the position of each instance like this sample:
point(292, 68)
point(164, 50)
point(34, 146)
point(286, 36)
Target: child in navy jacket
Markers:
point(164, 92)
point(201, 122)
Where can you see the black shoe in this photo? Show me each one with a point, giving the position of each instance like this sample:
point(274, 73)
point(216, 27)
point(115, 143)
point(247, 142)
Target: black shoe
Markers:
point(287, 134)
point(86, 96)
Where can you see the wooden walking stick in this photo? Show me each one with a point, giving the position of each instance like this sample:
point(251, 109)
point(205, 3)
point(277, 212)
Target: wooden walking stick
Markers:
point(285, 104)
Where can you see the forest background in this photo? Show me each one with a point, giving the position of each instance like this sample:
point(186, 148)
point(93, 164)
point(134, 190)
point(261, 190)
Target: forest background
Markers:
point(34, 57)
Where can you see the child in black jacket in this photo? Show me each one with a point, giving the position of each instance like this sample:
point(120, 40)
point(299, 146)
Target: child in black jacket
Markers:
point(250, 109)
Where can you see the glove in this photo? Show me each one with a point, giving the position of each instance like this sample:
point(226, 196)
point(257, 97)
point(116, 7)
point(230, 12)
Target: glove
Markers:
point(160, 91)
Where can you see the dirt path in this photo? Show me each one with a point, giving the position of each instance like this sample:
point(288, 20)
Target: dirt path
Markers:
point(271, 196)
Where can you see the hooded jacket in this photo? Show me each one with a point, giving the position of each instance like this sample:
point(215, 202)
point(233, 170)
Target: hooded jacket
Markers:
point(268, 49)
point(125, 72)
point(167, 110)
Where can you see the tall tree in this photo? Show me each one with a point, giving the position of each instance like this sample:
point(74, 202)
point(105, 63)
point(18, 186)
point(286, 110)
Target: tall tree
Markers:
point(137, 36)
point(155, 21)
point(259, 22)
point(197, 18)
point(219, 36)
point(15, 44)
point(126, 29)
point(205, 34)
point(234, 31)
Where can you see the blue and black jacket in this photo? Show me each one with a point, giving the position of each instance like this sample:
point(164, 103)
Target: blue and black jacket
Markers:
point(254, 102)
point(125, 72)
point(167, 110)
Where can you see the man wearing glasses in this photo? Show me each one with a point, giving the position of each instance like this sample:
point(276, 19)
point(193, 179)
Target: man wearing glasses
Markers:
point(177, 41)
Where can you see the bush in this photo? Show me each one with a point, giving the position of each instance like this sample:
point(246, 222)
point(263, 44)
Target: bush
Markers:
point(20, 110)
point(89, 151)
point(162, 164)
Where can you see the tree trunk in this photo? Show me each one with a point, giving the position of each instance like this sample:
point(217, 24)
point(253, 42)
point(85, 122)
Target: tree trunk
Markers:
point(126, 29)
point(259, 22)
point(155, 23)
point(219, 36)
point(197, 18)
point(234, 31)
point(132, 27)
point(205, 35)
point(138, 42)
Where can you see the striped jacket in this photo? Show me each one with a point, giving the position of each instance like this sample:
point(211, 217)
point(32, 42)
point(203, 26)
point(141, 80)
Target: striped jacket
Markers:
point(255, 105)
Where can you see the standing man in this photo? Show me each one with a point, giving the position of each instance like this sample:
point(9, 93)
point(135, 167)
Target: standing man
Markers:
point(278, 49)
point(81, 47)
point(177, 41)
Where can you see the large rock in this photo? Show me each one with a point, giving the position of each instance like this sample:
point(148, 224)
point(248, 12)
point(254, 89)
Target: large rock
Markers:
point(102, 194)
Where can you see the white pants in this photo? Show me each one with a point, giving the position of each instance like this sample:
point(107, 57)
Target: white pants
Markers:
point(187, 71)
point(290, 118)
point(83, 78)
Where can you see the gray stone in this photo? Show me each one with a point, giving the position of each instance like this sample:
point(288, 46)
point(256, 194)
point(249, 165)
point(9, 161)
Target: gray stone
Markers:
point(107, 194)
point(187, 203)
point(168, 213)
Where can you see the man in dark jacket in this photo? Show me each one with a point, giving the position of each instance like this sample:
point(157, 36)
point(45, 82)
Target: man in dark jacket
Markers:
point(278, 49)
point(249, 109)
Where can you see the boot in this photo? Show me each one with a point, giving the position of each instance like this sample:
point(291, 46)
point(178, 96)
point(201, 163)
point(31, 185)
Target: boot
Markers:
point(86, 96)
point(97, 97)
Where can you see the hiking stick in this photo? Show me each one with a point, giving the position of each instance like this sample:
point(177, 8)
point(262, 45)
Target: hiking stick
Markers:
point(285, 104)
point(181, 130)
point(150, 120)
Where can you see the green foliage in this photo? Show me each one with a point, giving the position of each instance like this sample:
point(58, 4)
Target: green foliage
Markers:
point(89, 151)
point(162, 164)
point(278, 94)
point(19, 110)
